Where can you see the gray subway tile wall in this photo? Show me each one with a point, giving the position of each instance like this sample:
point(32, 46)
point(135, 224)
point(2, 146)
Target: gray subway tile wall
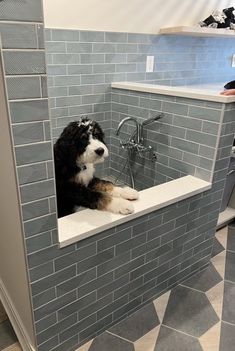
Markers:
point(82, 289)
point(178, 140)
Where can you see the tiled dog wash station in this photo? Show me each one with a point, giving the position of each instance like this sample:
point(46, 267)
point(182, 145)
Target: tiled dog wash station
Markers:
point(61, 288)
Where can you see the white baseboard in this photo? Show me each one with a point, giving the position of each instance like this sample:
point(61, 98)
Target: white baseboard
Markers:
point(15, 320)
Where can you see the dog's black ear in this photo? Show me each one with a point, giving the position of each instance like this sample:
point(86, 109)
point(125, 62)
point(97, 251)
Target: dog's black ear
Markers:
point(97, 131)
point(65, 151)
point(70, 132)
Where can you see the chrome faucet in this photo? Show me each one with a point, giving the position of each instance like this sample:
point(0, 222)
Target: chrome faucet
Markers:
point(138, 127)
point(136, 142)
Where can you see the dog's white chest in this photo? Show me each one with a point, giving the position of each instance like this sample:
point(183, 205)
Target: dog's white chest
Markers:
point(85, 176)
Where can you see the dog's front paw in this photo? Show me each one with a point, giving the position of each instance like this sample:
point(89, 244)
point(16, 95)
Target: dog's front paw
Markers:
point(129, 193)
point(119, 205)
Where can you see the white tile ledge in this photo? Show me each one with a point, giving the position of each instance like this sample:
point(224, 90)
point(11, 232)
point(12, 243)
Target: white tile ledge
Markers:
point(83, 224)
point(206, 93)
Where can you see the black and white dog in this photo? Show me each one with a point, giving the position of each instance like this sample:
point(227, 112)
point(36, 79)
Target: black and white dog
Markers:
point(79, 147)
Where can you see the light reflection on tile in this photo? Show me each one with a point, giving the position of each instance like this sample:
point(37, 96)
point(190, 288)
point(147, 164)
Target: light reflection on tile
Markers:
point(85, 347)
point(215, 296)
point(219, 263)
point(14, 347)
point(160, 305)
point(222, 236)
point(210, 340)
point(148, 341)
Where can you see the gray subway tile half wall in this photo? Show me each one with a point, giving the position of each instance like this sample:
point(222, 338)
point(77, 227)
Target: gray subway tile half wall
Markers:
point(84, 288)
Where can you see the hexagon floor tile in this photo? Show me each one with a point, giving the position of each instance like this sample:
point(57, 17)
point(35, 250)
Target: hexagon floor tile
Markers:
point(204, 280)
point(189, 311)
point(169, 340)
point(229, 303)
point(231, 239)
point(110, 342)
point(138, 324)
point(230, 266)
point(227, 338)
point(217, 247)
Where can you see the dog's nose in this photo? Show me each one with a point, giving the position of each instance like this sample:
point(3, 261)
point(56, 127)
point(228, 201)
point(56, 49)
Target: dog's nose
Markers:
point(99, 151)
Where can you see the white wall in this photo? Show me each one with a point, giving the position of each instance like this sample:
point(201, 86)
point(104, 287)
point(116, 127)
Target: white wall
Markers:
point(137, 16)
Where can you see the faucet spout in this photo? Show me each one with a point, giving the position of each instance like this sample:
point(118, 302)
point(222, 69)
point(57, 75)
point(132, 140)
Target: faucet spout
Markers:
point(138, 127)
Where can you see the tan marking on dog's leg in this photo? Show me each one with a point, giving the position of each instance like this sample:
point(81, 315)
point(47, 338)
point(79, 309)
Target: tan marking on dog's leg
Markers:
point(116, 191)
point(104, 202)
point(103, 186)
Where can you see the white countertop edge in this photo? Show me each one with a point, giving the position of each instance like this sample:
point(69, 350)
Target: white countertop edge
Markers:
point(86, 223)
point(180, 91)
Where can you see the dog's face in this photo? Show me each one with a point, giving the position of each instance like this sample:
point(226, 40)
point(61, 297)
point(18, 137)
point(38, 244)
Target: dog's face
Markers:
point(86, 140)
point(95, 151)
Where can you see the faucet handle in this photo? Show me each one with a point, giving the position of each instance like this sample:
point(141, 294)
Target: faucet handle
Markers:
point(152, 119)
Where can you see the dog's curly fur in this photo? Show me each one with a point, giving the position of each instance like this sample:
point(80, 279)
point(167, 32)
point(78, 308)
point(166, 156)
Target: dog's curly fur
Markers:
point(79, 147)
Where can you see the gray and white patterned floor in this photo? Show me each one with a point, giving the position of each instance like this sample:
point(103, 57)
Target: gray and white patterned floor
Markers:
point(197, 315)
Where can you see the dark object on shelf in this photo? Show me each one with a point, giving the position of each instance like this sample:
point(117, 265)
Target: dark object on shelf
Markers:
point(209, 20)
point(230, 18)
point(220, 19)
point(230, 85)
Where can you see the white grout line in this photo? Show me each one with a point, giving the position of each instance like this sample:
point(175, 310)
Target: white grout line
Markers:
point(20, 22)
point(185, 286)
point(223, 322)
point(23, 50)
point(120, 337)
point(179, 331)
point(28, 99)
point(229, 281)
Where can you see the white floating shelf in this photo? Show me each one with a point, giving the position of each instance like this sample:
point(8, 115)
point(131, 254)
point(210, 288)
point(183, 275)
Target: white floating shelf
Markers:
point(199, 31)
